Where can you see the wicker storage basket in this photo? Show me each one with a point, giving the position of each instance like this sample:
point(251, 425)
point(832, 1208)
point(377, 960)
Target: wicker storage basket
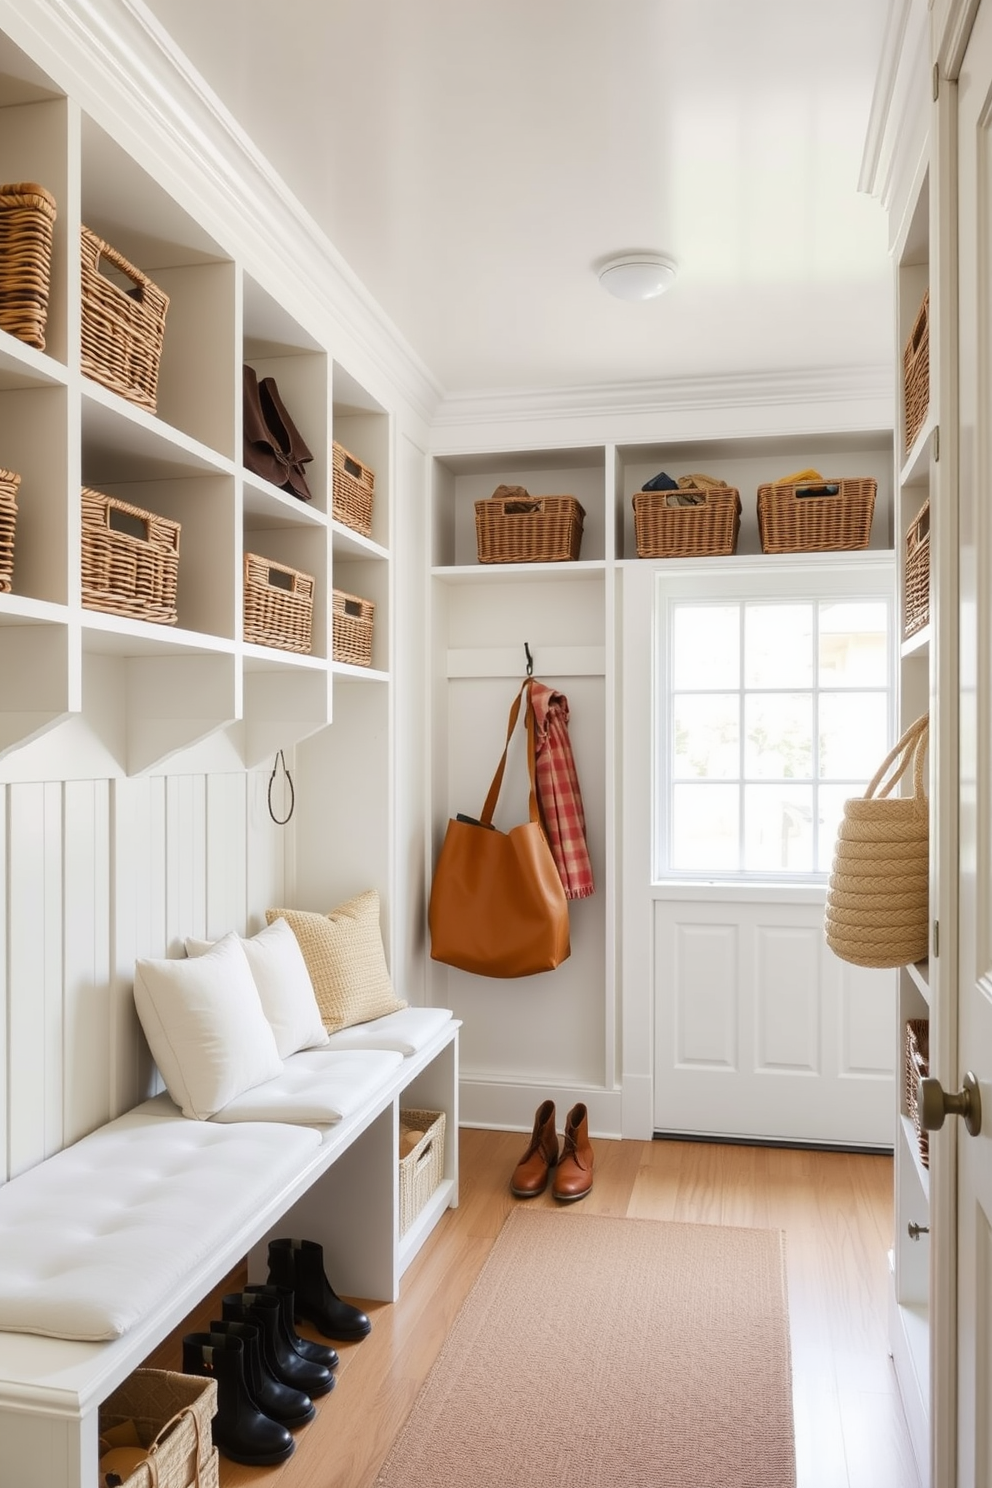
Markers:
point(9, 482)
point(916, 373)
point(27, 218)
point(664, 531)
point(816, 517)
point(917, 1068)
point(122, 328)
point(916, 592)
point(422, 1169)
point(352, 623)
point(172, 1414)
point(528, 529)
point(130, 559)
point(278, 605)
point(353, 486)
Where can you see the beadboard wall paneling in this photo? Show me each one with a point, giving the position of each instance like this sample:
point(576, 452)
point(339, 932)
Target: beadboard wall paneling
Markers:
point(97, 873)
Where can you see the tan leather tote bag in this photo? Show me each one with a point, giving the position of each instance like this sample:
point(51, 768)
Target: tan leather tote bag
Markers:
point(497, 905)
point(878, 895)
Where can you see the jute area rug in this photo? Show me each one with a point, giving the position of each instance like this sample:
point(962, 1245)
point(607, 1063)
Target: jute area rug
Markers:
point(595, 1352)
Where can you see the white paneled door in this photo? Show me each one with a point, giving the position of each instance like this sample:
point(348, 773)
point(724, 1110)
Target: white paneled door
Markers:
point(760, 1031)
point(974, 1041)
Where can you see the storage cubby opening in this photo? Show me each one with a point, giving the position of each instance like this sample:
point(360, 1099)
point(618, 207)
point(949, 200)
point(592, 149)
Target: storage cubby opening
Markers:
point(139, 221)
point(748, 463)
point(460, 481)
point(34, 149)
point(305, 553)
point(34, 445)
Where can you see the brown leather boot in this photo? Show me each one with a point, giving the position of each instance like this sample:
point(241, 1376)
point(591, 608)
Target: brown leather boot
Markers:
point(530, 1176)
point(573, 1179)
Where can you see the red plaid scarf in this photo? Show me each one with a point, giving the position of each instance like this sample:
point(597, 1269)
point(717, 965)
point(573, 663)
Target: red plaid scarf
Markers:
point(558, 794)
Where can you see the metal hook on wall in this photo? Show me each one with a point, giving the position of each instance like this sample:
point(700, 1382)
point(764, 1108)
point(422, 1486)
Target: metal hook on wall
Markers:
point(281, 821)
point(530, 660)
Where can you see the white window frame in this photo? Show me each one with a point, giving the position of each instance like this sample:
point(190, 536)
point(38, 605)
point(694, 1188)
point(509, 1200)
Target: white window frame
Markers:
point(731, 581)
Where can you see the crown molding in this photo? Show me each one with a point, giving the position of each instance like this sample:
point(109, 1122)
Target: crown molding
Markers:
point(885, 86)
point(899, 116)
point(115, 59)
point(873, 386)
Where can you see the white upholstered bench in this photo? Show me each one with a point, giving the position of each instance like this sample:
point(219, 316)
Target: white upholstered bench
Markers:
point(116, 1238)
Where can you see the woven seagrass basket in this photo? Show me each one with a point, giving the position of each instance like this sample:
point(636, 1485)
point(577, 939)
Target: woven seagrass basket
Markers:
point(353, 487)
point(352, 622)
point(878, 894)
point(278, 605)
point(917, 1067)
point(9, 483)
point(27, 220)
point(130, 559)
point(422, 1169)
point(708, 529)
point(827, 516)
point(528, 529)
point(122, 329)
point(916, 373)
point(916, 581)
point(172, 1414)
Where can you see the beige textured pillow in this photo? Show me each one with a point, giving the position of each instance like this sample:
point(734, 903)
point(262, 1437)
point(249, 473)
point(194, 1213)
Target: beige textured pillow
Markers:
point(344, 956)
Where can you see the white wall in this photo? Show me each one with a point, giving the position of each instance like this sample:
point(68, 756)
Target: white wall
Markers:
point(98, 872)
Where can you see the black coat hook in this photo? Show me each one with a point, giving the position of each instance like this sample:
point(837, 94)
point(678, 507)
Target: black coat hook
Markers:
point(530, 660)
point(281, 821)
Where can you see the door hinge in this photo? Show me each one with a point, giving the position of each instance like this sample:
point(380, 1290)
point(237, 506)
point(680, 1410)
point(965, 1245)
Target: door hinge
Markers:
point(936, 81)
point(936, 444)
point(936, 937)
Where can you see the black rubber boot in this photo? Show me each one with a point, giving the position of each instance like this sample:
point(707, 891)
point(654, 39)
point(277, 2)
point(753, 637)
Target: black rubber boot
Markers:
point(280, 1360)
point(292, 1407)
point(317, 1353)
point(299, 1265)
point(240, 1430)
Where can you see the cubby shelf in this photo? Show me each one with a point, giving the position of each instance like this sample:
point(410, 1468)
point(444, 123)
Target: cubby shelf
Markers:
point(60, 429)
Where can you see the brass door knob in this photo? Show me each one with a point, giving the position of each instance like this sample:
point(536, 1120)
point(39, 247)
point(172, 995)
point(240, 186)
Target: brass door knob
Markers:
point(934, 1104)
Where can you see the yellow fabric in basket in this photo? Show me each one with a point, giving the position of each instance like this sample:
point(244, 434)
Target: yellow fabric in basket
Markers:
point(798, 475)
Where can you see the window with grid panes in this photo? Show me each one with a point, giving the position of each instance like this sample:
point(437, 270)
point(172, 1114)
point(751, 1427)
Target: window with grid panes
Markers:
point(774, 709)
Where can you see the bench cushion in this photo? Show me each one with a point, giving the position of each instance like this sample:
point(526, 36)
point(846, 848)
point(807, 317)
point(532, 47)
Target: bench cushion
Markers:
point(407, 1031)
point(317, 1087)
point(105, 1231)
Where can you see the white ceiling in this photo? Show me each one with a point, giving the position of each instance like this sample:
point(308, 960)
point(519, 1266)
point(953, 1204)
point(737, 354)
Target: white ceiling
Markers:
point(475, 160)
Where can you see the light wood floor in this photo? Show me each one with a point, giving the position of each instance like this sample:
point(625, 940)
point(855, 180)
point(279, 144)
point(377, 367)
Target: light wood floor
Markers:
point(835, 1208)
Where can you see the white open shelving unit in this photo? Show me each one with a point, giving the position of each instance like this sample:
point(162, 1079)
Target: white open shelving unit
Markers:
point(148, 691)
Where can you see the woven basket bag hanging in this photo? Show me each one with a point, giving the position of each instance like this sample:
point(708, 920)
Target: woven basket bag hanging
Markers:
point(878, 894)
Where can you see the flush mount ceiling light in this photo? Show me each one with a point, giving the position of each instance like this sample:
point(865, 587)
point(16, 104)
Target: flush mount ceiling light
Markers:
point(637, 276)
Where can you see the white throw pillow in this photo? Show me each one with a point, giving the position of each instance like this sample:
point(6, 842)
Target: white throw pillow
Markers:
point(205, 1026)
point(280, 973)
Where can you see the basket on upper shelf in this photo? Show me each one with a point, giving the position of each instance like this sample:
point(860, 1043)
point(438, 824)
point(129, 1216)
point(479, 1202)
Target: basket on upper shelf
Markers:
point(916, 374)
point(916, 578)
point(278, 605)
point(9, 483)
point(353, 487)
point(130, 559)
point(917, 1068)
point(27, 220)
point(664, 527)
point(512, 526)
point(351, 623)
point(816, 516)
point(122, 329)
